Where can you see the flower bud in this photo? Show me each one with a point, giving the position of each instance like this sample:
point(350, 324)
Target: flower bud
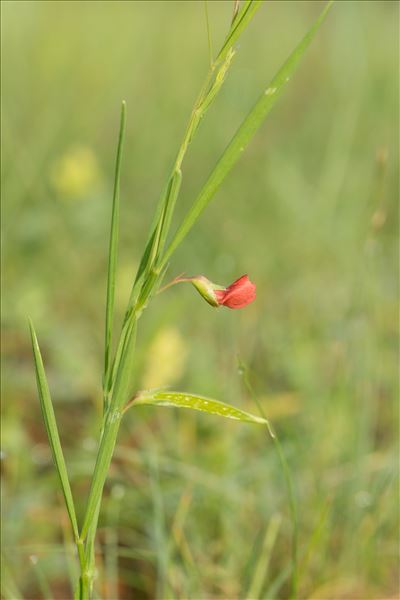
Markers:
point(206, 288)
point(237, 295)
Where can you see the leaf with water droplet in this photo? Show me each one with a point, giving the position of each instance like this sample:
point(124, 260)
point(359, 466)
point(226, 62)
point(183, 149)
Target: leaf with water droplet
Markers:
point(196, 402)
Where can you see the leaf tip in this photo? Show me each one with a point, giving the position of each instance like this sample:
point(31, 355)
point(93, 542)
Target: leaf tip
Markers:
point(327, 8)
point(31, 327)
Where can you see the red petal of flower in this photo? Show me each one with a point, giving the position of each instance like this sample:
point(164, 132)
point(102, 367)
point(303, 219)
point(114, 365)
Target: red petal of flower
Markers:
point(240, 293)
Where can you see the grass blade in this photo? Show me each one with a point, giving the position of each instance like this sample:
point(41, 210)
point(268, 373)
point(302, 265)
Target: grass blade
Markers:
point(172, 195)
point(156, 241)
point(41, 578)
point(9, 589)
point(195, 402)
point(288, 481)
point(52, 431)
point(113, 249)
point(243, 135)
point(261, 568)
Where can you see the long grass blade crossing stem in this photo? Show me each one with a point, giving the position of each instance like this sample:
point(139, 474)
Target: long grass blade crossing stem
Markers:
point(243, 136)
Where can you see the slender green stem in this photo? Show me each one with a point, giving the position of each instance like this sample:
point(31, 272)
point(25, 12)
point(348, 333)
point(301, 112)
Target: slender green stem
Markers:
point(111, 427)
point(239, 23)
point(89, 557)
point(89, 554)
point(293, 511)
point(236, 4)
point(81, 552)
point(287, 476)
point(42, 579)
point(84, 587)
point(209, 40)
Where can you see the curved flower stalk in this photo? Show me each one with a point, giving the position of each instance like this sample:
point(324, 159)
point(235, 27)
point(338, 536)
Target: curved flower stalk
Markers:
point(238, 294)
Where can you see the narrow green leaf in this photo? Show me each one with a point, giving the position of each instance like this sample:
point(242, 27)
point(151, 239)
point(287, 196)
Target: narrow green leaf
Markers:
point(173, 192)
point(161, 231)
point(288, 480)
point(118, 353)
point(150, 244)
point(113, 248)
point(243, 136)
point(52, 431)
point(41, 576)
point(260, 570)
point(8, 585)
point(195, 402)
point(144, 280)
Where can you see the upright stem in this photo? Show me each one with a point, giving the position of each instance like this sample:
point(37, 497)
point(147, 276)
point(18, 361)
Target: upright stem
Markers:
point(82, 591)
point(294, 516)
point(288, 482)
point(84, 587)
point(116, 373)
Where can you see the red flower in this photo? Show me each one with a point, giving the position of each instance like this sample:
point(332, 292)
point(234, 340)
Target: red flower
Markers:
point(240, 293)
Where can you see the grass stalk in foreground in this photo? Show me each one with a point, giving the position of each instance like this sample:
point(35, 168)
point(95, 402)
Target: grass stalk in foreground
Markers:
point(287, 476)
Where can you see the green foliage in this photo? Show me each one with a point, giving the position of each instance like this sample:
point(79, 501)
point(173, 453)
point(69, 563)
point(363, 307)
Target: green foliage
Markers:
point(311, 214)
point(52, 431)
point(116, 377)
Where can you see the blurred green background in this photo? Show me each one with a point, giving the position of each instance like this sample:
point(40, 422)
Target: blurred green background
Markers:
point(195, 506)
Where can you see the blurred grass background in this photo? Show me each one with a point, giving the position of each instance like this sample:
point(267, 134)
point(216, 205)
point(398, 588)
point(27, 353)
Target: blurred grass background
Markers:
point(195, 506)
